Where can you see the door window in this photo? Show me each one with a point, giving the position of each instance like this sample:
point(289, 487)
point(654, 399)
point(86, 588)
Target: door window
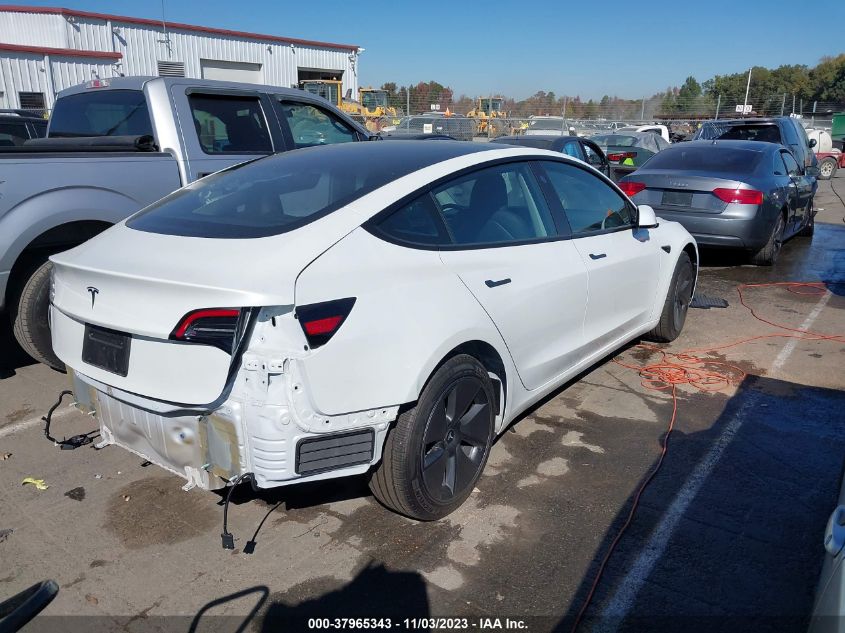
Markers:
point(497, 205)
point(310, 125)
point(590, 204)
point(792, 167)
point(230, 124)
point(417, 222)
point(13, 134)
point(594, 156)
point(573, 149)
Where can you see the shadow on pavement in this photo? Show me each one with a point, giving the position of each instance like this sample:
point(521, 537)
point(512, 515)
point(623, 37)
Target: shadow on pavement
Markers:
point(735, 547)
point(12, 357)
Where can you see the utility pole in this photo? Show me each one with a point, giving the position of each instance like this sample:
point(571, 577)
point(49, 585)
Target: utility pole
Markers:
point(813, 124)
point(408, 101)
point(718, 104)
point(801, 110)
point(642, 111)
point(565, 101)
point(747, 88)
point(783, 104)
point(793, 103)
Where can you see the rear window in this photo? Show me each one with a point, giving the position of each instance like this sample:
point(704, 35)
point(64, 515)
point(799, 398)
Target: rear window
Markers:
point(618, 140)
point(275, 194)
point(709, 159)
point(101, 113)
point(768, 132)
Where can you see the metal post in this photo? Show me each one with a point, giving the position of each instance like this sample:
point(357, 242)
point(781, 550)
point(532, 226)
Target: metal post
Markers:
point(793, 103)
point(815, 103)
point(747, 88)
point(408, 100)
point(783, 104)
point(489, 112)
point(565, 101)
point(718, 104)
point(801, 111)
point(642, 111)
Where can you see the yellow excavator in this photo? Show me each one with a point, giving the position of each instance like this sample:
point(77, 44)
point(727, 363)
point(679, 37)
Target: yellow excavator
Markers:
point(371, 109)
point(487, 108)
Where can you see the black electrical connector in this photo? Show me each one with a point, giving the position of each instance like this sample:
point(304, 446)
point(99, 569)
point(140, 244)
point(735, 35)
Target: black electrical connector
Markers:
point(67, 444)
point(227, 537)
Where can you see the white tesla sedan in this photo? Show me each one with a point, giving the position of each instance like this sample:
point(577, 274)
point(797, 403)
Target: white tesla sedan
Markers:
point(371, 306)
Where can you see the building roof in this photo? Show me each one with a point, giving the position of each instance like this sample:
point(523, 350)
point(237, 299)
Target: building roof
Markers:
point(15, 8)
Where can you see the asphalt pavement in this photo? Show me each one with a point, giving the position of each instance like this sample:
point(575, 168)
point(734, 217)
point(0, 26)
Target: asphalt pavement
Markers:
point(728, 535)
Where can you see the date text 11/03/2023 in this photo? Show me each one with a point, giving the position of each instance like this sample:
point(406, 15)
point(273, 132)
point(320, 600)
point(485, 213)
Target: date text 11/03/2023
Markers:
point(420, 624)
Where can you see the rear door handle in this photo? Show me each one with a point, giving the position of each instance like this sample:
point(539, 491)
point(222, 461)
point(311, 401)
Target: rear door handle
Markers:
point(501, 282)
point(597, 255)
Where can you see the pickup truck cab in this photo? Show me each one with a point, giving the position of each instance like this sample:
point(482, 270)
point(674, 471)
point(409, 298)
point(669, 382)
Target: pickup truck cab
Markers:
point(114, 146)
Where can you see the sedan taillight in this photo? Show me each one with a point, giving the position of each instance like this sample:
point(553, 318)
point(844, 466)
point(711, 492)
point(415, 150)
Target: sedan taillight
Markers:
point(209, 326)
point(631, 188)
point(321, 321)
point(739, 196)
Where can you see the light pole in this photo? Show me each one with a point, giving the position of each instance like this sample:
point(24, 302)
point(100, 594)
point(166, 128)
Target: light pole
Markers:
point(747, 88)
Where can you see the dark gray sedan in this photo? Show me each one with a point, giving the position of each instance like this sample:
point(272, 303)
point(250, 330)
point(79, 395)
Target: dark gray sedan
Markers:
point(736, 194)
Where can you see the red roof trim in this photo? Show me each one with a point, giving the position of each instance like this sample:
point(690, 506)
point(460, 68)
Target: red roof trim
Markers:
point(16, 8)
point(69, 52)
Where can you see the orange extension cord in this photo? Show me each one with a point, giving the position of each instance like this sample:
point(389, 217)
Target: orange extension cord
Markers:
point(707, 375)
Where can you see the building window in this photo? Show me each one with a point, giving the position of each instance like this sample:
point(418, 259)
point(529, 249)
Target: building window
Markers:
point(171, 69)
point(31, 100)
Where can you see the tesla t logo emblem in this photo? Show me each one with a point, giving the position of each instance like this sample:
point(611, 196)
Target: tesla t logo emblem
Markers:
point(93, 292)
point(672, 183)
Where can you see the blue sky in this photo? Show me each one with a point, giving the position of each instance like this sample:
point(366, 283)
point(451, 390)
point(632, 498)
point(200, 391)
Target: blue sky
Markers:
point(629, 49)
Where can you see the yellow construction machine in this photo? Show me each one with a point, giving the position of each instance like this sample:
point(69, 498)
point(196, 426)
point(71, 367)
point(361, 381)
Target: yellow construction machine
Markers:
point(371, 109)
point(487, 108)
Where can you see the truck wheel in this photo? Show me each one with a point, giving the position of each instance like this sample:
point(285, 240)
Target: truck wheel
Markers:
point(674, 313)
point(29, 317)
point(827, 168)
point(767, 255)
point(435, 452)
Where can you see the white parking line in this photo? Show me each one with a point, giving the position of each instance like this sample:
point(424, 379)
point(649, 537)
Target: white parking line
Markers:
point(25, 424)
point(621, 602)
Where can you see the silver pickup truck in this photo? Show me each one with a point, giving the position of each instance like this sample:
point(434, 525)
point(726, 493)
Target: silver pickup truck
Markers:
point(113, 147)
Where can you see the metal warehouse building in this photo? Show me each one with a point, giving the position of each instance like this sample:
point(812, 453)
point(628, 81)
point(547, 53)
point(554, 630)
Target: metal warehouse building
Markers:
point(44, 50)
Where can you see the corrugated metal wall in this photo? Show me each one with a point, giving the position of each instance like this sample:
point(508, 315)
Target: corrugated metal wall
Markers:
point(142, 47)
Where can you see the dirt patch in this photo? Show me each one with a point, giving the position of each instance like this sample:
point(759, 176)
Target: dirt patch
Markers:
point(98, 562)
point(156, 511)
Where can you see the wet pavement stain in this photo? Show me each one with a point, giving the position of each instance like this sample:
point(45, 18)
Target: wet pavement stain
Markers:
point(20, 414)
point(98, 562)
point(159, 512)
point(77, 494)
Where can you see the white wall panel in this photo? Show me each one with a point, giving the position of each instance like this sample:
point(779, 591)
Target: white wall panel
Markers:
point(32, 29)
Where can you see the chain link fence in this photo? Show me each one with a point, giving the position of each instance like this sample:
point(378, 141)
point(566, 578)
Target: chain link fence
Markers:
point(492, 116)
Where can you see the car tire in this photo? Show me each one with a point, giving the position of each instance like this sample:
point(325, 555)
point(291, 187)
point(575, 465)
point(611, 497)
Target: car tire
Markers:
point(827, 168)
point(768, 255)
point(675, 307)
point(436, 450)
point(29, 314)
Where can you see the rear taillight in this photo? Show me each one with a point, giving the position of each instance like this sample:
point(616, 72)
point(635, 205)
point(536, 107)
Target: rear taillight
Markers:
point(209, 326)
point(739, 196)
point(631, 188)
point(618, 157)
point(320, 321)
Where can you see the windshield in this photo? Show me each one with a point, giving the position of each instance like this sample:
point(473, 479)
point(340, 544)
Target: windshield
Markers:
point(707, 159)
point(495, 105)
point(768, 132)
point(546, 124)
point(374, 99)
point(101, 113)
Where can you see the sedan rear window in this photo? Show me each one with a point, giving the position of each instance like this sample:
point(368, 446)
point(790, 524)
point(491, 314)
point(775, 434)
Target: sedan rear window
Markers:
point(282, 192)
point(709, 159)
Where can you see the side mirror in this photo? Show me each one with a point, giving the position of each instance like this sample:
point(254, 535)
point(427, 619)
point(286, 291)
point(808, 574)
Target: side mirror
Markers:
point(374, 137)
point(812, 171)
point(812, 143)
point(646, 218)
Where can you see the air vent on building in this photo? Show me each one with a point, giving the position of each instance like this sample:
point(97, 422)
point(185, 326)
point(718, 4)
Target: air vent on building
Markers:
point(171, 69)
point(31, 100)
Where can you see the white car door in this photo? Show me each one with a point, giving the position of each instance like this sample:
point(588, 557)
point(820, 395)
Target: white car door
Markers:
point(829, 611)
point(622, 261)
point(506, 250)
